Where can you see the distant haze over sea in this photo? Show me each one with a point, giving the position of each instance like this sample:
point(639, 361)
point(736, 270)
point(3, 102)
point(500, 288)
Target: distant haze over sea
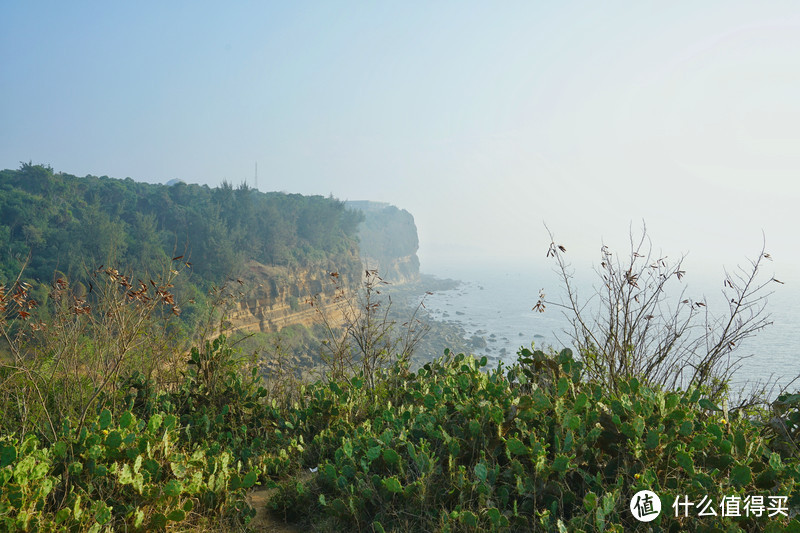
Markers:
point(495, 302)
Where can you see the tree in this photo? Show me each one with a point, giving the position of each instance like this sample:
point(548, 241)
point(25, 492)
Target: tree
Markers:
point(34, 178)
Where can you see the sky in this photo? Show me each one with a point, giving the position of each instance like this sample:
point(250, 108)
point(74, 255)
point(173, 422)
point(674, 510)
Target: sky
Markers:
point(486, 120)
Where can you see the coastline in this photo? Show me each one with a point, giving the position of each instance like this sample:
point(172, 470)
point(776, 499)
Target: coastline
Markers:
point(410, 297)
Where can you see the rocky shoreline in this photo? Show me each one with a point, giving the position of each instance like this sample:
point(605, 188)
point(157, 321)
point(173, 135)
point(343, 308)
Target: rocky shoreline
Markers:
point(441, 334)
point(297, 346)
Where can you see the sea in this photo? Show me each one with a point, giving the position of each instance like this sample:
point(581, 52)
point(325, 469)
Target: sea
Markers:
point(495, 304)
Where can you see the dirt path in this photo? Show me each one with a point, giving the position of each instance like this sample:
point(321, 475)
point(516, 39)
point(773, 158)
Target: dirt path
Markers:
point(263, 521)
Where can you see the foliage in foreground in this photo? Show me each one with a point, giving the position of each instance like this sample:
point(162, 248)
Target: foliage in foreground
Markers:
point(531, 447)
point(451, 447)
point(172, 459)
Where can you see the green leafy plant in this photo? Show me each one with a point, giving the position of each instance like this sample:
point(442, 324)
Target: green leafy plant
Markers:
point(127, 473)
point(529, 447)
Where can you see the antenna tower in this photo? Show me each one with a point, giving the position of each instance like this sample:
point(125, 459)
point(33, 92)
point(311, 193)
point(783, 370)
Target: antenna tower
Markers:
point(256, 177)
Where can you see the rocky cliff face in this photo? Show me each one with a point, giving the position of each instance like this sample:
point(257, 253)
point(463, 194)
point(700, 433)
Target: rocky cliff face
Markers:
point(276, 297)
point(388, 241)
point(398, 270)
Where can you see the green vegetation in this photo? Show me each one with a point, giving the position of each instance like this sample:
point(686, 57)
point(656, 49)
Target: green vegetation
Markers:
point(531, 447)
point(452, 447)
point(144, 467)
point(386, 231)
point(372, 445)
point(62, 224)
point(108, 422)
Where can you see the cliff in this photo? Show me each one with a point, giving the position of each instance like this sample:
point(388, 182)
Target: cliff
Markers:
point(388, 241)
point(66, 223)
point(279, 296)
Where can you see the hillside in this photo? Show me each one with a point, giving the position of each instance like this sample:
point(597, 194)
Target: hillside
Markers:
point(267, 255)
point(106, 423)
point(62, 226)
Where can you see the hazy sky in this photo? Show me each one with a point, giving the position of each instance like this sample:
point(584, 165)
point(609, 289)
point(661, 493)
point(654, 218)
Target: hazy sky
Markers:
point(484, 120)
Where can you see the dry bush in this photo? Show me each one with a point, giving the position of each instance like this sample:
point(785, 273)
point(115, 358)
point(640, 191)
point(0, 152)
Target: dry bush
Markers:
point(366, 339)
point(639, 322)
point(65, 357)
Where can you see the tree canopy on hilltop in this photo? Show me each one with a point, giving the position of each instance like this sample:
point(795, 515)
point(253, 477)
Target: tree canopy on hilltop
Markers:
point(67, 224)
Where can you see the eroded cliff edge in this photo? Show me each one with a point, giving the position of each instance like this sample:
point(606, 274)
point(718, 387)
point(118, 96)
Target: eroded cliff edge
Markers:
point(275, 297)
point(388, 241)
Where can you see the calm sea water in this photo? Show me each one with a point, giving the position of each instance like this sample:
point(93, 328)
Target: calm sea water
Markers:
point(496, 304)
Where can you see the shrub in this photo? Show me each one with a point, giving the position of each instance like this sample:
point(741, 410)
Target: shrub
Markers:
point(638, 323)
point(66, 355)
point(531, 447)
point(127, 474)
point(362, 338)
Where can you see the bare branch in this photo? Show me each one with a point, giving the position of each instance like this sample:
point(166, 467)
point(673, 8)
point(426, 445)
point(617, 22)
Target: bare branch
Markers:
point(637, 322)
